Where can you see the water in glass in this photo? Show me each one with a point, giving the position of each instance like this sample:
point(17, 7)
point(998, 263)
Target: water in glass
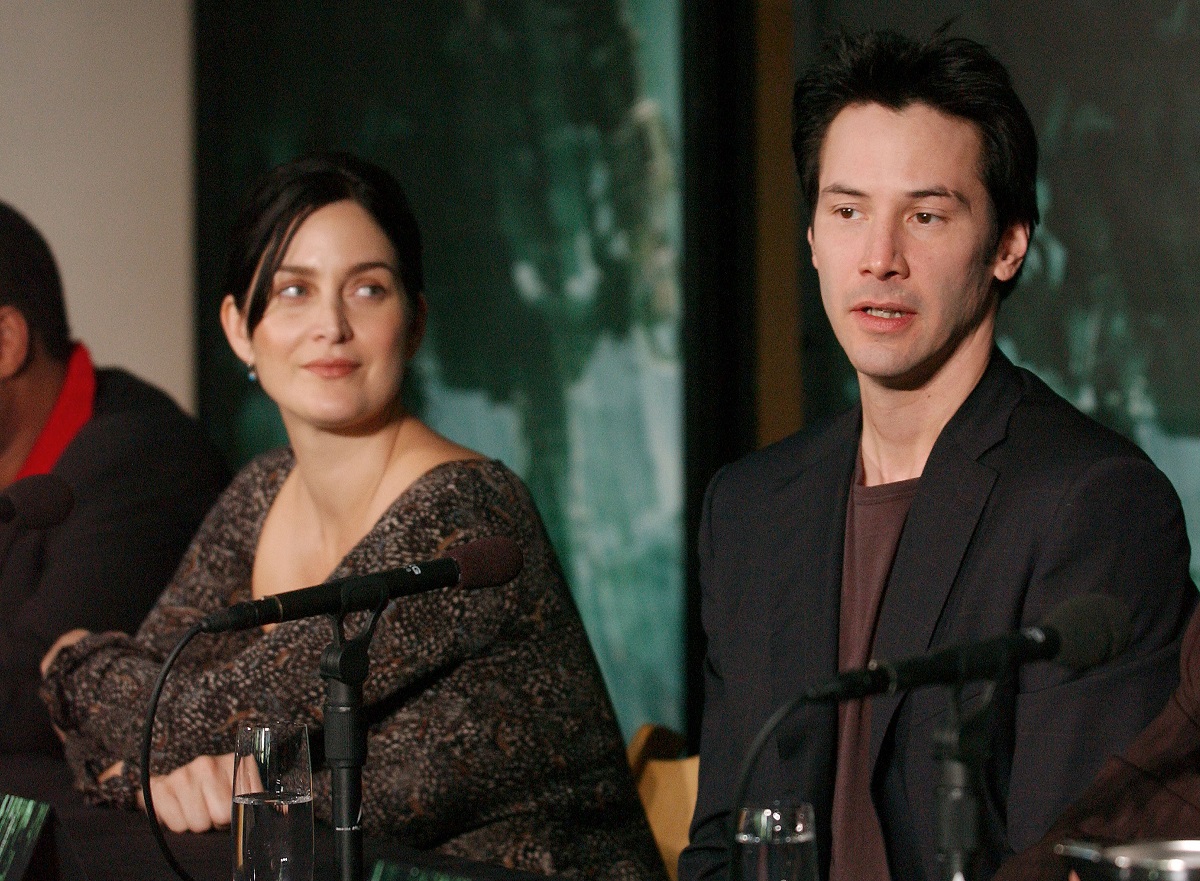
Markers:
point(777, 844)
point(272, 804)
point(273, 837)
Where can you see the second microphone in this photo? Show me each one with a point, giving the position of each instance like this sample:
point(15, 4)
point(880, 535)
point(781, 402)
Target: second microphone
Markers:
point(485, 562)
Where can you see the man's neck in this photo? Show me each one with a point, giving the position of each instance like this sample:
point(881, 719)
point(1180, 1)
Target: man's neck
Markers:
point(27, 400)
point(900, 426)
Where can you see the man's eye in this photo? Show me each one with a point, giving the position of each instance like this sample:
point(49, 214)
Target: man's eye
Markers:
point(924, 217)
point(846, 213)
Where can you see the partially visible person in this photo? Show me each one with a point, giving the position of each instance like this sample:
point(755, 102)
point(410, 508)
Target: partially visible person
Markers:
point(141, 472)
point(1151, 792)
point(492, 736)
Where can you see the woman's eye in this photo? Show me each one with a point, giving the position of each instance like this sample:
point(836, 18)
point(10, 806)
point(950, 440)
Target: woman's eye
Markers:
point(290, 291)
point(370, 290)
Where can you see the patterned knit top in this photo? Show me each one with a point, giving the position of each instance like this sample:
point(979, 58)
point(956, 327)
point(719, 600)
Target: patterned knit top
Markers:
point(491, 734)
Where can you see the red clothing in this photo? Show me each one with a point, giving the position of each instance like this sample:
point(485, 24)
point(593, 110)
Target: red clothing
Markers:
point(71, 412)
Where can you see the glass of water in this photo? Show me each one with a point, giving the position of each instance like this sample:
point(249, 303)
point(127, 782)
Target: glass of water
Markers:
point(272, 804)
point(777, 843)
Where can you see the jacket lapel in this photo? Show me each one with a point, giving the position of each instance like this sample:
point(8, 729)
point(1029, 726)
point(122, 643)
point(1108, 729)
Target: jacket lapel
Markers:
point(945, 512)
point(805, 601)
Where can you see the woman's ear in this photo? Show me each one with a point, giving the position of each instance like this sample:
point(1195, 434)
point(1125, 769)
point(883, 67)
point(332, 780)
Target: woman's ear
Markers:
point(234, 325)
point(416, 326)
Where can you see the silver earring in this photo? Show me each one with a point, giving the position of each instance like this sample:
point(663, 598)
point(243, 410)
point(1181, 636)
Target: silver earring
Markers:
point(251, 373)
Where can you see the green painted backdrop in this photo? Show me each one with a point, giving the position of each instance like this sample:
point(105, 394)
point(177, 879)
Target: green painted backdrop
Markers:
point(539, 142)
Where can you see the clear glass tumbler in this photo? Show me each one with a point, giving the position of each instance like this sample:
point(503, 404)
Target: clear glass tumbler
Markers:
point(777, 843)
point(272, 804)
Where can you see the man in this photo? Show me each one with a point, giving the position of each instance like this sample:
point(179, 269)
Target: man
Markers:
point(141, 472)
point(961, 500)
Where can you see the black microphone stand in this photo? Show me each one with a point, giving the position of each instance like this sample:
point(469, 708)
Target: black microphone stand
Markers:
point(344, 667)
point(962, 746)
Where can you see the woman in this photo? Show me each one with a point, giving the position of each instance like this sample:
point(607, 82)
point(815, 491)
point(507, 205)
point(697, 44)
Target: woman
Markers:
point(492, 736)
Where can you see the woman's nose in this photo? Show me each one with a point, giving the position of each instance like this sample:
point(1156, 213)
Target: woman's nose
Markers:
point(331, 321)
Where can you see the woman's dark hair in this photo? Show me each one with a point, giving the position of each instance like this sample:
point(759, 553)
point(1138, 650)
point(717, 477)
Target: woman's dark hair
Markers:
point(285, 198)
point(30, 283)
point(954, 75)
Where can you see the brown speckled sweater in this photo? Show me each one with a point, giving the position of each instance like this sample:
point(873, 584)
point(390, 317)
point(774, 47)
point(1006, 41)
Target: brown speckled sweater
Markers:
point(492, 736)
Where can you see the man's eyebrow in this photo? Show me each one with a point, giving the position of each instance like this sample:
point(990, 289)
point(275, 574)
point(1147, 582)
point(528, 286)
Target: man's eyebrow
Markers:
point(836, 189)
point(940, 193)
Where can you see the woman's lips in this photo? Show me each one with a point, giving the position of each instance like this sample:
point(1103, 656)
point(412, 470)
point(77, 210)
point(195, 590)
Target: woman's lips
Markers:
point(331, 368)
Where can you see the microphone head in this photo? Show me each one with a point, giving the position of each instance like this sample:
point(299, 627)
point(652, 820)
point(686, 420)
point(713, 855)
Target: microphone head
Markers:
point(487, 562)
point(1093, 628)
point(37, 502)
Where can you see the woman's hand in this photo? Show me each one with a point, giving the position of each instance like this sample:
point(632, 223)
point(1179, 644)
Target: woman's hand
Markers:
point(196, 797)
point(67, 639)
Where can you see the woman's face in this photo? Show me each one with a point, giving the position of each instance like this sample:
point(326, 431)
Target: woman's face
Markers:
point(338, 329)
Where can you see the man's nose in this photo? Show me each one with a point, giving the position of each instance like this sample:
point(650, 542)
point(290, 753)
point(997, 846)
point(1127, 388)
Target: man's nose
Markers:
point(883, 251)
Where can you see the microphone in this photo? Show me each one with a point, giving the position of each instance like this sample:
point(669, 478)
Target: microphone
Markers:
point(485, 562)
point(37, 502)
point(1078, 634)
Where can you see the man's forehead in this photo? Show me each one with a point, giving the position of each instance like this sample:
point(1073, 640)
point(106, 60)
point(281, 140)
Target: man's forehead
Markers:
point(915, 148)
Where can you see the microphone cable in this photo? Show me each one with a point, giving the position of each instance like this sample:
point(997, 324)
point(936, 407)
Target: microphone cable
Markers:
point(147, 737)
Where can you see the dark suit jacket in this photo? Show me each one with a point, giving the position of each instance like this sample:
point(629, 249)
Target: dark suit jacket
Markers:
point(1023, 503)
point(1149, 793)
point(143, 476)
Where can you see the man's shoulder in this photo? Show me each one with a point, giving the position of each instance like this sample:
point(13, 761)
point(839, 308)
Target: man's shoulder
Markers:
point(119, 391)
point(135, 422)
point(1046, 427)
point(823, 449)
point(125, 402)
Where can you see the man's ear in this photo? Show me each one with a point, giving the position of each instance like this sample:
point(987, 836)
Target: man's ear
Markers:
point(1010, 253)
point(234, 325)
point(14, 341)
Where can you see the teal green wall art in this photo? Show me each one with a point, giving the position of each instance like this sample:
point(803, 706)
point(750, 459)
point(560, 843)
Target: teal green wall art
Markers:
point(539, 143)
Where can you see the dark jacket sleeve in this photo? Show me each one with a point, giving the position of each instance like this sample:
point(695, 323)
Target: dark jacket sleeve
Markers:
point(143, 477)
point(1149, 792)
point(707, 854)
point(1122, 534)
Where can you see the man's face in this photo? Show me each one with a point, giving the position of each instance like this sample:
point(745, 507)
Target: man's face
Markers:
point(901, 237)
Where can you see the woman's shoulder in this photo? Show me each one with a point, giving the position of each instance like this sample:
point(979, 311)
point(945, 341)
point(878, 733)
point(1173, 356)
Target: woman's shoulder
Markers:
point(474, 476)
point(264, 473)
point(458, 501)
point(246, 500)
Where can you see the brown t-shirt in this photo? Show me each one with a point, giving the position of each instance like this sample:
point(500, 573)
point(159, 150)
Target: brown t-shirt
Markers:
point(875, 517)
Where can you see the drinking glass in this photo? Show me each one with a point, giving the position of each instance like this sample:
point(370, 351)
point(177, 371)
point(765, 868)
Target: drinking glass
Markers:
point(272, 804)
point(777, 843)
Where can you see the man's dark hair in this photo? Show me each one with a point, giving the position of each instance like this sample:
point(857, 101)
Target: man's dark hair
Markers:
point(285, 198)
point(953, 75)
point(29, 282)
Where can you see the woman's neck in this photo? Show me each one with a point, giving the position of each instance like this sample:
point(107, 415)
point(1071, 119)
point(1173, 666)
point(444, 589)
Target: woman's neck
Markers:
point(342, 484)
